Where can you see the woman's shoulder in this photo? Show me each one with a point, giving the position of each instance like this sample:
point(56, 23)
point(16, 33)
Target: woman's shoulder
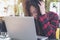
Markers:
point(52, 13)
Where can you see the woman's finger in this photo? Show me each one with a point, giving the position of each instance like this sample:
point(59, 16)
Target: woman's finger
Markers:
point(40, 2)
point(39, 5)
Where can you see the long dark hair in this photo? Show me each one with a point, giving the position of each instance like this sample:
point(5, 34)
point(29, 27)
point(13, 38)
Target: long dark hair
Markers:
point(35, 4)
point(32, 3)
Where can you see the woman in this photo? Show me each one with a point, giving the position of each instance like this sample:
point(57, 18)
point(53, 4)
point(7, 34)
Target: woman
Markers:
point(46, 22)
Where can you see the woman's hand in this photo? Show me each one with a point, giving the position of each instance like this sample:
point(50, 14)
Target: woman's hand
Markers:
point(42, 7)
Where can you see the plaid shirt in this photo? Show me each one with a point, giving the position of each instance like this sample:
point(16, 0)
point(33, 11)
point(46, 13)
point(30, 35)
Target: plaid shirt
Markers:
point(49, 23)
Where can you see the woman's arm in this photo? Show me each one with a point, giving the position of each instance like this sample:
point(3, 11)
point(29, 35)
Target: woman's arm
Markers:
point(49, 25)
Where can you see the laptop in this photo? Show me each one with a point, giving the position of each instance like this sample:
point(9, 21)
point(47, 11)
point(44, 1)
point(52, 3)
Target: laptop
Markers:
point(21, 28)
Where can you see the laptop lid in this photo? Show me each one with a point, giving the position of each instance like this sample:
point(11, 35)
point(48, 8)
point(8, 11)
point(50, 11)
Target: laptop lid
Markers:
point(21, 28)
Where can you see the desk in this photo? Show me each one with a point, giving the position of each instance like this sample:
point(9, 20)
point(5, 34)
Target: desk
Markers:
point(38, 38)
point(42, 38)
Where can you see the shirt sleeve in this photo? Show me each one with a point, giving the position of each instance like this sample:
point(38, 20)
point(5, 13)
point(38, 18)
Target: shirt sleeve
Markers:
point(49, 25)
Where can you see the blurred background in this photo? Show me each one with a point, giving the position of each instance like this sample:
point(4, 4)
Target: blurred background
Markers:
point(17, 7)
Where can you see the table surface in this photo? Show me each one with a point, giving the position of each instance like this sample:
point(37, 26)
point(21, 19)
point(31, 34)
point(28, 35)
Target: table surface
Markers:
point(38, 38)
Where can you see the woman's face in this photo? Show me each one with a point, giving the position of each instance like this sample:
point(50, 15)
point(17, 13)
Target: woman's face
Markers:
point(33, 11)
